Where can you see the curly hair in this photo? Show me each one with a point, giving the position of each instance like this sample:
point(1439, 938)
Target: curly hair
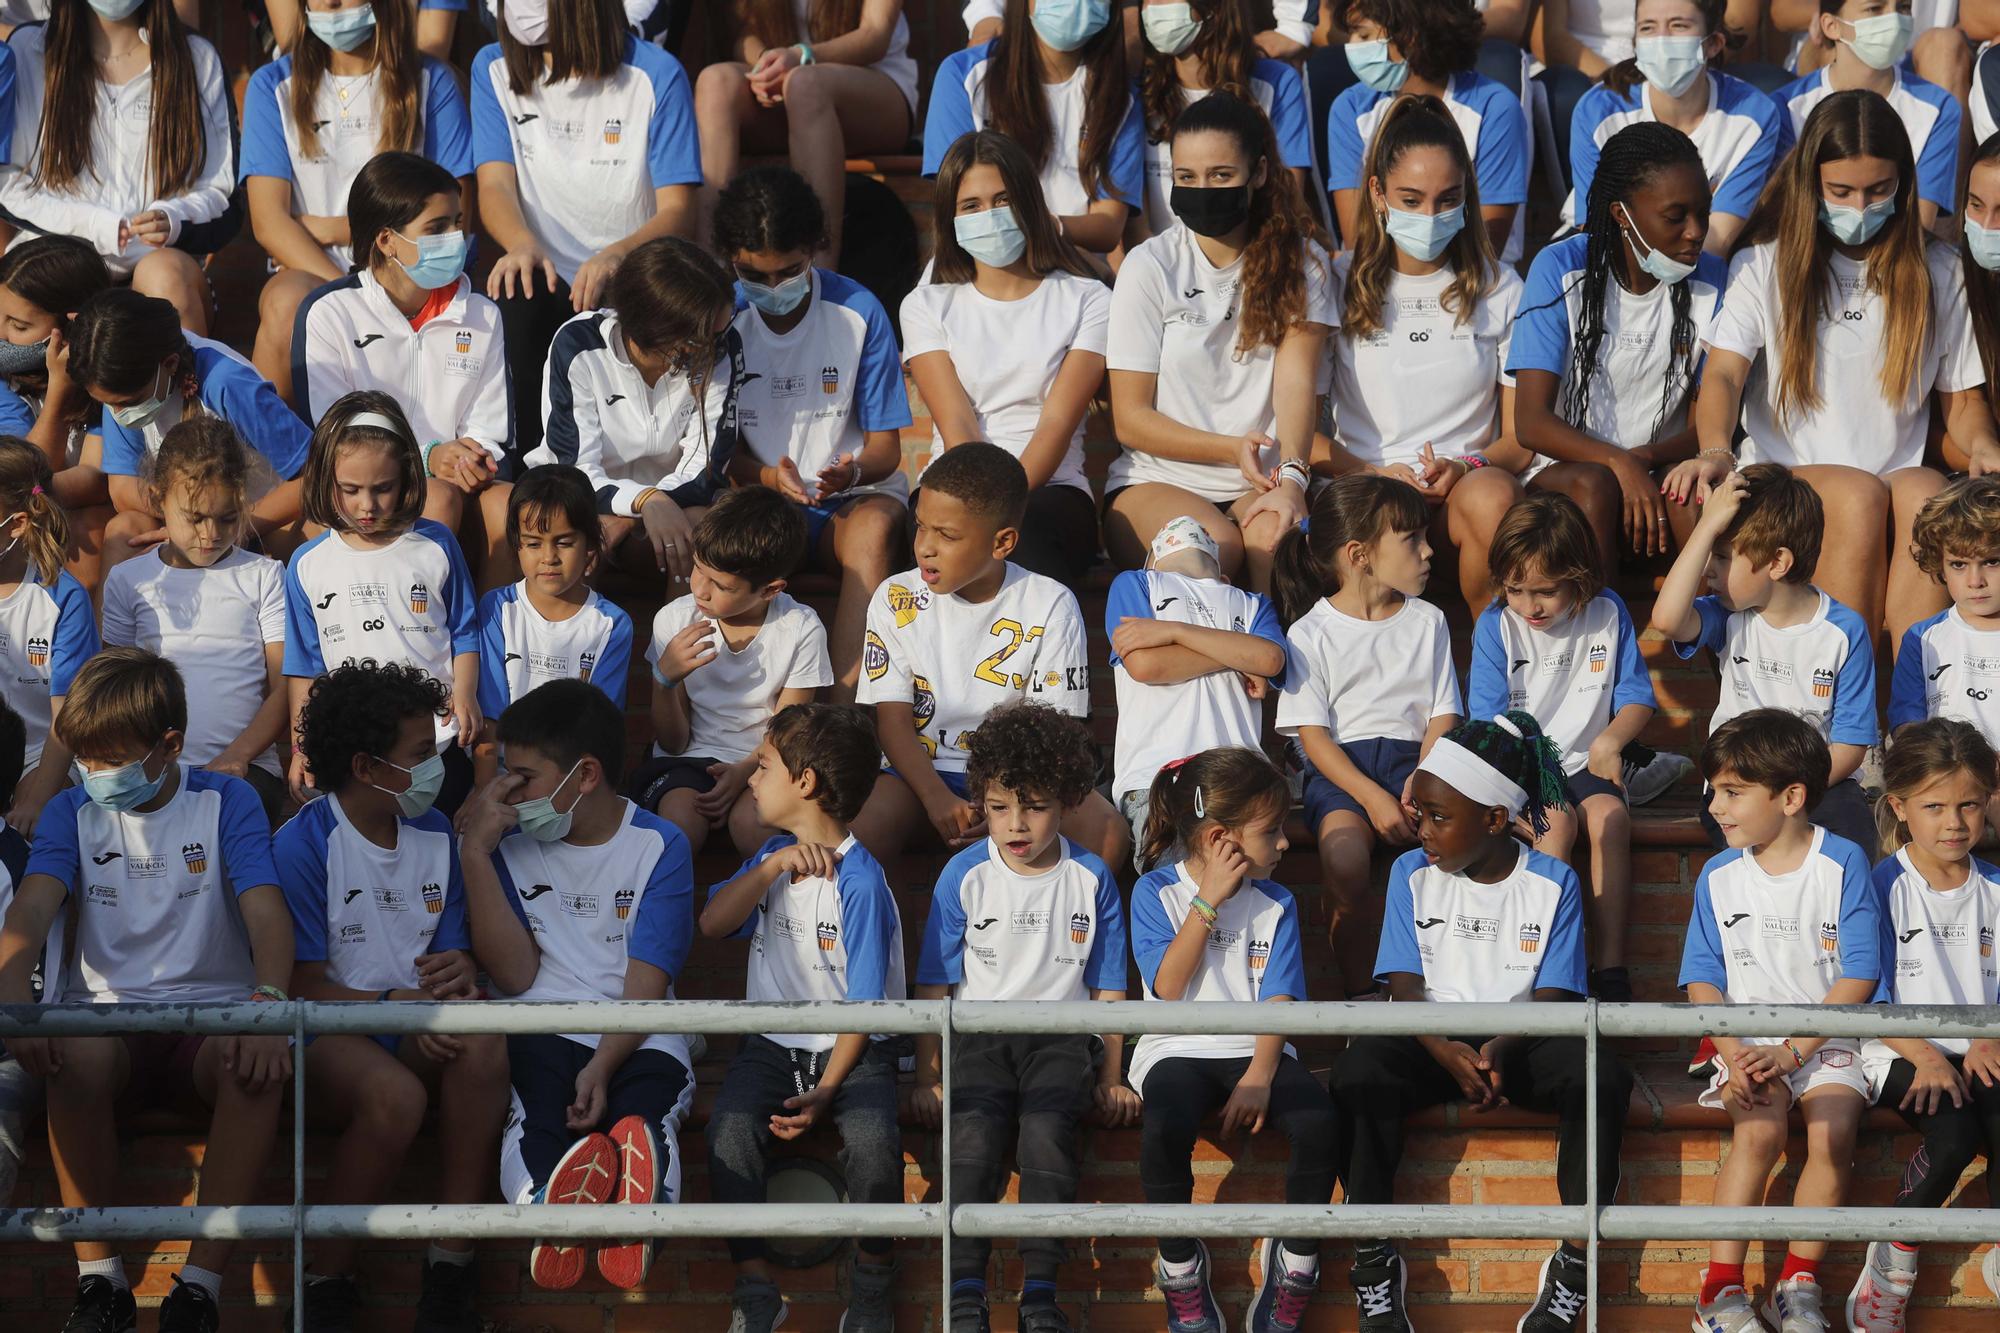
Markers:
point(1961, 519)
point(1030, 747)
point(357, 709)
point(1439, 38)
point(837, 742)
point(1514, 746)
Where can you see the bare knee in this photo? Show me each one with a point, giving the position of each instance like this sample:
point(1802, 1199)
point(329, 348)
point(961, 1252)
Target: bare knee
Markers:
point(390, 1108)
point(865, 533)
point(1943, 56)
point(1761, 1139)
point(719, 90)
point(86, 1072)
point(807, 94)
point(482, 1061)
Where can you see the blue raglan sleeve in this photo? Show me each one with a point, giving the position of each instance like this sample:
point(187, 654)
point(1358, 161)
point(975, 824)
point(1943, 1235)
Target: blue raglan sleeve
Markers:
point(1714, 627)
point(941, 961)
point(508, 888)
point(1739, 189)
point(246, 400)
point(1853, 721)
point(8, 76)
point(493, 691)
point(1105, 968)
point(447, 122)
point(55, 851)
point(75, 640)
point(454, 929)
point(1486, 691)
point(1861, 924)
point(1541, 329)
point(458, 594)
point(1701, 955)
point(299, 849)
point(1501, 157)
point(1265, 625)
point(1126, 171)
point(1151, 931)
point(950, 114)
point(1397, 949)
point(1285, 969)
point(264, 151)
point(1584, 151)
point(665, 928)
point(673, 145)
point(1883, 881)
point(1909, 701)
point(1291, 117)
point(883, 401)
point(246, 836)
point(15, 417)
point(490, 140)
point(1937, 164)
point(302, 653)
point(868, 924)
point(1343, 139)
point(1127, 598)
point(124, 451)
point(614, 664)
point(1564, 965)
point(1634, 684)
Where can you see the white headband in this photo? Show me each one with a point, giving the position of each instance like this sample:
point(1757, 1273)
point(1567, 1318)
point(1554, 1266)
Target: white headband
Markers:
point(375, 420)
point(1478, 780)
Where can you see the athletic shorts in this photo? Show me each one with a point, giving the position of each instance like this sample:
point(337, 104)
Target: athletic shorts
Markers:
point(1388, 764)
point(1836, 1064)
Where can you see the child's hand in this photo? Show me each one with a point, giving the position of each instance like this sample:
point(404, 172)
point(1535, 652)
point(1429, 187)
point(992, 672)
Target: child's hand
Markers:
point(688, 651)
point(923, 1103)
point(1244, 1111)
point(588, 1108)
point(842, 473)
point(1409, 802)
point(1739, 1088)
point(1135, 634)
point(805, 1109)
point(1489, 1064)
point(1436, 476)
point(1117, 1105)
point(956, 822)
point(448, 976)
point(1933, 1081)
point(1607, 760)
point(1468, 1069)
point(1389, 819)
point(297, 776)
point(1250, 462)
point(1254, 687)
point(29, 798)
point(485, 819)
point(1225, 873)
point(789, 482)
point(439, 1047)
point(1981, 1062)
point(807, 860)
point(465, 712)
point(1764, 1063)
point(715, 803)
point(1714, 485)
point(150, 227)
point(257, 1062)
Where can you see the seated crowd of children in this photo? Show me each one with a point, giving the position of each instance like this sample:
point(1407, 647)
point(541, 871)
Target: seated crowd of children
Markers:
point(1289, 278)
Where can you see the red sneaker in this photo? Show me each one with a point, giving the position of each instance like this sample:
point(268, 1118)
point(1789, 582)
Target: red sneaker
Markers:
point(625, 1265)
point(584, 1174)
point(1703, 1066)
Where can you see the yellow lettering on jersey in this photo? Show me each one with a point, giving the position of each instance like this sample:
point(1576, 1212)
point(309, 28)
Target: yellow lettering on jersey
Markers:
point(989, 669)
point(903, 604)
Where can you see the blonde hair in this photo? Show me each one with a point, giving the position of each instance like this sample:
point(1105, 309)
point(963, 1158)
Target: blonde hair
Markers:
point(1921, 754)
point(1963, 517)
point(123, 697)
point(196, 454)
point(25, 486)
point(337, 432)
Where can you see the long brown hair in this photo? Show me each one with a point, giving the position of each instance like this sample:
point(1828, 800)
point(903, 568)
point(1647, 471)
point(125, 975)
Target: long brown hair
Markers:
point(1273, 286)
point(55, 274)
point(338, 432)
point(1923, 753)
point(1856, 123)
point(401, 85)
point(1624, 76)
point(1411, 122)
point(27, 486)
point(1017, 106)
point(1047, 250)
point(772, 22)
point(177, 142)
point(586, 40)
point(1982, 285)
point(1225, 57)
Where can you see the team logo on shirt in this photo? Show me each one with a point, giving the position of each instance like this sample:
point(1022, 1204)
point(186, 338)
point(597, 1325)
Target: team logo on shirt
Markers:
point(829, 935)
point(904, 604)
point(1598, 656)
point(196, 857)
point(1986, 941)
point(101, 895)
point(462, 344)
point(1822, 682)
point(1531, 937)
point(38, 651)
point(420, 598)
point(829, 380)
point(621, 903)
point(1079, 927)
point(614, 129)
point(923, 704)
point(1260, 954)
point(584, 663)
point(1829, 936)
point(433, 898)
point(875, 656)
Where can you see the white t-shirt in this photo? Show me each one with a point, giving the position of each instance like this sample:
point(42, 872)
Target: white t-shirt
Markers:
point(1605, 27)
point(1423, 377)
point(1947, 669)
point(1007, 353)
point(1854, 425)
point(213, 624)
point(1822, 669)
point(521, 649)
point(1572, 677)
point(897, 64)
point(1939, 948)
point(1174, 317)
point(731, 697)
point(954, 661)
point(46, 635)
point(410, 601)
point(996, 934)
point(1158, 724)
point(1484, 943)
point(1369, 679)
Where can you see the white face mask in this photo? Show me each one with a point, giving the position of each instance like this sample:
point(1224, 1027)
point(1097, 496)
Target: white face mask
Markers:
point(528, 20)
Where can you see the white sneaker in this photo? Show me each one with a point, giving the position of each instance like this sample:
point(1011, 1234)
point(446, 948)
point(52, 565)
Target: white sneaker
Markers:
point(1882, 1291)
point(1729, 1312)
point(1989, 1267)
point(1793, 1307)
point(1645, 782)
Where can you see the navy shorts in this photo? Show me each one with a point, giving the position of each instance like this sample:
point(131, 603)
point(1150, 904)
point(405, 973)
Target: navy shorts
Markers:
point(664, 773)
point(1585, 784)
point(1388, 763)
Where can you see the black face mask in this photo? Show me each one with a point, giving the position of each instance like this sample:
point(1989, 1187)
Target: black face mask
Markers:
point(1211, 210)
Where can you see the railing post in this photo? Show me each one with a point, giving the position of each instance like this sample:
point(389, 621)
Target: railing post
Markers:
point(298, 1167)
point(1590, 1185)
point(944, 1152)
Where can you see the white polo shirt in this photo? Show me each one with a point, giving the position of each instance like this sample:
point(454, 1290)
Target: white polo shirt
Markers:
point(1572, 677)
point(1486, 943)
point(1939, 943)
point(1737, 136)
point(1369, 679)
point(410, 601)
point(996, 934)
point(732, 696)
point(520, 648)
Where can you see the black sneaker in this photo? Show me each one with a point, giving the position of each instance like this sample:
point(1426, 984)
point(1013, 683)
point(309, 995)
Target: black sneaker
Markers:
point(755, 1306)
point(446, 1303)
point(1565, 1288)
point(1378, 1291)
point(1043, 1317)
point(330, 1305)
point(968, 1313)
point(871, 1290)
point(102, 1306)
point(189, 1309)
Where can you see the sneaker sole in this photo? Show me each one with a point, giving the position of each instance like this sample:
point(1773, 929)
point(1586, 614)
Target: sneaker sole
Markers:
point(583, 1175)
point(1541, 1283)
point(1989, 1267)
point(624, 1266)
point(1263, 1281)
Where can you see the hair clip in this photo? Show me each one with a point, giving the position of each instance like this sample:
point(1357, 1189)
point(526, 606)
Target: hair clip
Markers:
point(1200, 807)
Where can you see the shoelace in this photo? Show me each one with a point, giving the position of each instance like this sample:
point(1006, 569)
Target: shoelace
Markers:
point(1185, 1305)
point(1565, 1303)
point(96, 1308)
point(1377, 1298)
point(1290, 1306)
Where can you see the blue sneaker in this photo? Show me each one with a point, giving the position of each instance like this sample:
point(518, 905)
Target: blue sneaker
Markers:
point(1191, 1306)
point(1279, 1302)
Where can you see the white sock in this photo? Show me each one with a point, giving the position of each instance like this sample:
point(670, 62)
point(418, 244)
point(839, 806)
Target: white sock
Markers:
point(1298, 1265)
point(1172, 1269)
point(201, 1277)
point(437, 1254)
point(112, 1269)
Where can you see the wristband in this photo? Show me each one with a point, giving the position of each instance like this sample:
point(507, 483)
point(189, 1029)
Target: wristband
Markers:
point(805, 53)
point(1795, 1053)
point(855, 480)
point(268, 993)
point(1293, 470)
point(639, 501)
point(1474, 462)
point(1204, 911)
point(429, 449)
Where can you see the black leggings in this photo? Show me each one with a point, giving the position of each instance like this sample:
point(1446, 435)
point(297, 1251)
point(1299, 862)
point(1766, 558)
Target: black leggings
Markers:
point(529, 324)
point(1953, 1136)
point(1181, 1092)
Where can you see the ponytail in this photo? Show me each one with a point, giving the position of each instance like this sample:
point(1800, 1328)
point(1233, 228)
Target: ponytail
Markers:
point(1513, 746)
point(1230, 786)
point(1358, 507)
point(26, 484)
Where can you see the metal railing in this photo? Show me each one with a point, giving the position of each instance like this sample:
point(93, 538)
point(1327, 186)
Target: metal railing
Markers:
point(946, 1218)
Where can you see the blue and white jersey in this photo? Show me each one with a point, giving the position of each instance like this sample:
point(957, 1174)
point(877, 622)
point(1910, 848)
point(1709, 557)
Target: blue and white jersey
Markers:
point(47, 633)
point(1629, 401)
point(227, 386)
point(347, 121)
point(1928, 112)
point(1484, 943)
point(1761, 938)
point(410, 601)
point(520, 648)
point(1937, 944)
point(1738, 137)
point(1489, 117)
point(1158, 724)
point(629, 436)
point(369, 912)
point(1822, 670)
point(996, 934)
point(958, 107)
point(592, 910)
point(1254, 953)
point(589, 153)
point(1368, 679)
point(810, 393)
point(1572, 677)
point(822, 940)
point(119, 182)
point(1947, 669)
point(155, 892)
point(449, 376)
point(17, 414)
point(1279, 92)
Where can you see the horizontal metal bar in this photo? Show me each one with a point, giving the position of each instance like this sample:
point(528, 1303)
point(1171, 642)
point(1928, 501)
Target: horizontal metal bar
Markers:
point(1797, 1020)
point(1913, 1226)
point(473, 1221)
point(1304, 1019)
point(1407, 1222)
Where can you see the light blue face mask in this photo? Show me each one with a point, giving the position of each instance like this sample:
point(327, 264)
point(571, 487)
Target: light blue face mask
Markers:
point(116, 9)
point(440, 259)
point(782, 299)
point(1657, 262)
point(1371, 64)
point(1882, 40)
point(1169, 29)
point(540, 819)
point(1671, 64)
point(1983, 244)
point(1068, 24)
point(993, 238)
point(138, 416)
point(124, 787)
point(342, 29)
point(1855, 226)
point(426, 781)
point(1424, 236)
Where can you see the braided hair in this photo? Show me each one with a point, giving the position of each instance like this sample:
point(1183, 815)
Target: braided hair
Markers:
point(1514, 745)
point(1632, 158)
